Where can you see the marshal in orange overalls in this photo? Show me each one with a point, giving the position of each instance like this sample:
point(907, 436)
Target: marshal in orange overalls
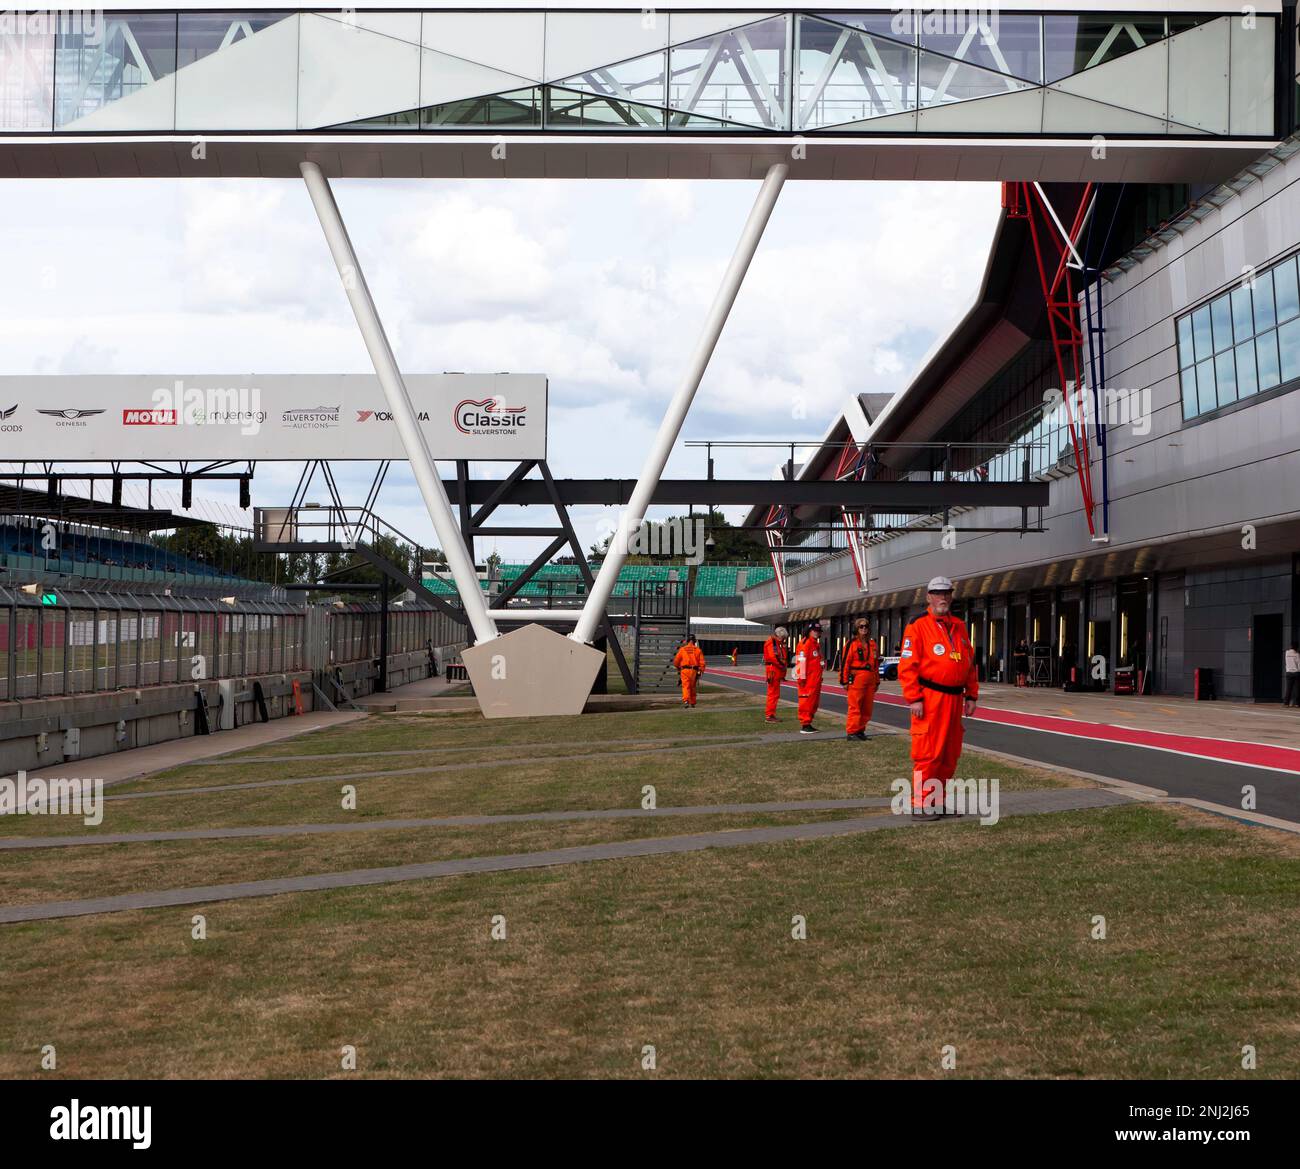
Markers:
point(936, 667)
point(808, 673)
point(776, 664)
point(860, 673)
point(689, 661)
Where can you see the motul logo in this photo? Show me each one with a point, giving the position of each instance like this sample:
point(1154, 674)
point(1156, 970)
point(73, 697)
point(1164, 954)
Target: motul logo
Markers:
point(148, 417)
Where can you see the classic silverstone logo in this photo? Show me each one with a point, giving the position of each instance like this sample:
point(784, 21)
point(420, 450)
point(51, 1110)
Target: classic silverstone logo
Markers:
point(488, 416)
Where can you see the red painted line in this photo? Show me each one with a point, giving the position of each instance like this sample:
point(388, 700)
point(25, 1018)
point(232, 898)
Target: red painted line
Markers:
point(1226, 750)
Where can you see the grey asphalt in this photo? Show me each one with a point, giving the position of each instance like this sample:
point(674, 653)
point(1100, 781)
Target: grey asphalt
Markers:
point(1184, 776)
point(1056, 800)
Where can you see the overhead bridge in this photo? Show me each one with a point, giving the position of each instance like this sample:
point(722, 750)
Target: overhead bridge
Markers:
point(1149, 91)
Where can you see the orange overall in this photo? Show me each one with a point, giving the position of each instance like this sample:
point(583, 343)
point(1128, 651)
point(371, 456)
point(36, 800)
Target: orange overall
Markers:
point(936, 667)
point(808, 673)
point(861, 674)
point(776, 664)
point(689, 661)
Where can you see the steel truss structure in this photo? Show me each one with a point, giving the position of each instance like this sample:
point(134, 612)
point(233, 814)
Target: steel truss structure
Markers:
point(1056, 257)
point(853, 465)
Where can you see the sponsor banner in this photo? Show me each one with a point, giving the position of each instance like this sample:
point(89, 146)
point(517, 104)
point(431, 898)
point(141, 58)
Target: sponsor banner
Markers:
point(290, 417)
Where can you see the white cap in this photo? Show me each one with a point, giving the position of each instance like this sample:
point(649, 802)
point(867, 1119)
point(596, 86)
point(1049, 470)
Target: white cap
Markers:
point(939, 584)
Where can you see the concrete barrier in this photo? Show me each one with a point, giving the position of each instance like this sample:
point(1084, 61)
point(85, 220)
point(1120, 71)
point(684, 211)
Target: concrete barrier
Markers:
point(39, 732)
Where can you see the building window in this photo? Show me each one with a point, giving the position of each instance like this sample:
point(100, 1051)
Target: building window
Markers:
point(1244, 342)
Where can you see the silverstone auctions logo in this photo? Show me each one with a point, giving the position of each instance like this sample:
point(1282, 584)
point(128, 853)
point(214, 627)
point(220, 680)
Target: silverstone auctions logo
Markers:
point(311, 418)
point(148, 417)
point(489, 417)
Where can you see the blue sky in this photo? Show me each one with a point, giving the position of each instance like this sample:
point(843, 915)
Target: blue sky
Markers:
point(601, 286)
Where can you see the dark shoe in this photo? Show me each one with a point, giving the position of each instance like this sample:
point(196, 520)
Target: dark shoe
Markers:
point(926, 817)
point(808, 730)
point(859, 735)
point(770, 720)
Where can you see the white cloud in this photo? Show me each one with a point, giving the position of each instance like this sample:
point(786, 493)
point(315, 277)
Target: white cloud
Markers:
point(601, 286)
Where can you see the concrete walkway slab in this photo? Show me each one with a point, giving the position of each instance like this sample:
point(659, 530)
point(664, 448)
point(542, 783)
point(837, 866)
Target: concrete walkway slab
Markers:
point(1060, 800)
point(650, 740)
point(469, 765)
point(19, 843)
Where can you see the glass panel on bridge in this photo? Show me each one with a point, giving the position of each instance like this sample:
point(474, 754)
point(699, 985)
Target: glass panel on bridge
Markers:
point(847, 75)
point(1002, 42)
point(735, 76)
point(118, 57)
point(887, 71)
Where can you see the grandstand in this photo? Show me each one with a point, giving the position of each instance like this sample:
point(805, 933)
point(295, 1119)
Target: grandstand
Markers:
point(94, 552)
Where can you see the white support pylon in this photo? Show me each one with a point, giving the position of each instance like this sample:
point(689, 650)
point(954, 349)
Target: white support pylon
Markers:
point(657, 458)
point(399, 402)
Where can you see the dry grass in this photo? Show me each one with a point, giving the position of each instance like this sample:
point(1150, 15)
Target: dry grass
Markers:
point(973, 936)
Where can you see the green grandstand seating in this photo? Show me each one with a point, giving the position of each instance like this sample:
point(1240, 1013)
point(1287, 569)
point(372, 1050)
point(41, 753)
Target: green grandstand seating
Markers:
point(711, 580)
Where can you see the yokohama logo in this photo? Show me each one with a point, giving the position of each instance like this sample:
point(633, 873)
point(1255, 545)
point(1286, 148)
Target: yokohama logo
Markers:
point(148, 417)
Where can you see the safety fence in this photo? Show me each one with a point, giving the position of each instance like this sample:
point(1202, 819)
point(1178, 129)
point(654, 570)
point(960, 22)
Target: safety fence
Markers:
point(65, 643)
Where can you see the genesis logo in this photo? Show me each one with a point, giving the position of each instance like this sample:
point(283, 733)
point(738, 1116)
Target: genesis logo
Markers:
point(489, 417)
point(70, 417)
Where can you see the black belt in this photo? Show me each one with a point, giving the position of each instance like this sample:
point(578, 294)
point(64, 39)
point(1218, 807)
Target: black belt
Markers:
point(942, 689)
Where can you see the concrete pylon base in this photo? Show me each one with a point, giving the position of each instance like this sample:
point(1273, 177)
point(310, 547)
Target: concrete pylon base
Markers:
point(531, 672)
